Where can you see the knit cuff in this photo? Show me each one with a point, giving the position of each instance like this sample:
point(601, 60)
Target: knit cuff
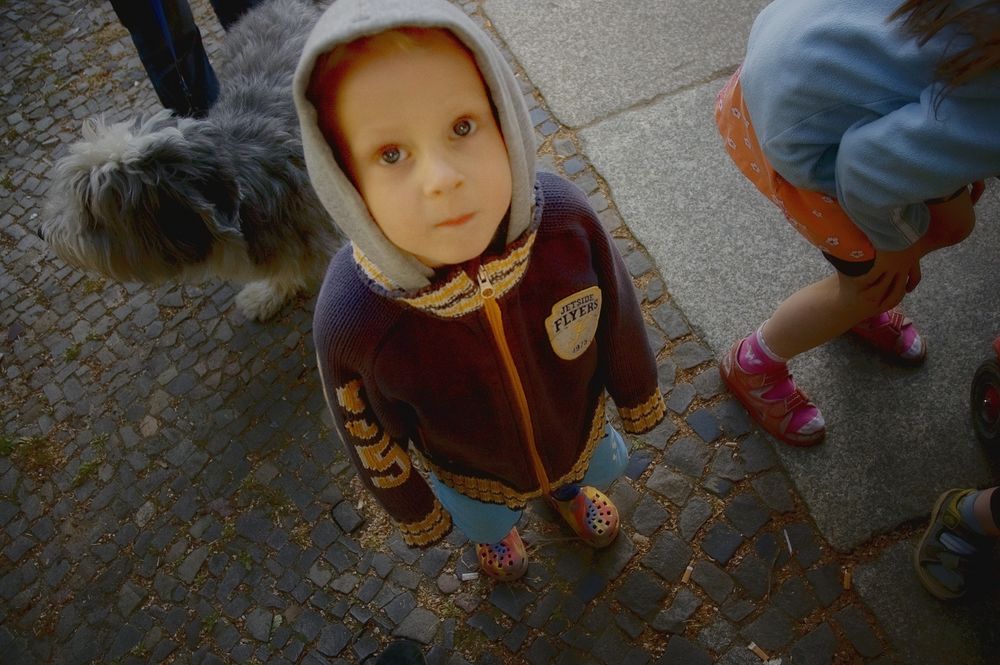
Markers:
point(644, 417)
point(428, 531)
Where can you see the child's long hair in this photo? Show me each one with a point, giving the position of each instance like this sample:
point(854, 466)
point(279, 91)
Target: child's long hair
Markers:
point(981, 21)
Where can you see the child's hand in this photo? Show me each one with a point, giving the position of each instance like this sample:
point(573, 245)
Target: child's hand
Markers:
point(894, 275)
point(897, 273)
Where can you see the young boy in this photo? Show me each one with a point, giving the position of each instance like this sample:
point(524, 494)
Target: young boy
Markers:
point(481, 311)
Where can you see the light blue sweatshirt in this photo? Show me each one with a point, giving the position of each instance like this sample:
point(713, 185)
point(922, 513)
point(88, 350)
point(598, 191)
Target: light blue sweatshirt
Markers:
point(843, 102)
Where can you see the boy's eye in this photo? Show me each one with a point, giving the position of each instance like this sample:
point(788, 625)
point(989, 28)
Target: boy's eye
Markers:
point(390, 155)
point(464, 127)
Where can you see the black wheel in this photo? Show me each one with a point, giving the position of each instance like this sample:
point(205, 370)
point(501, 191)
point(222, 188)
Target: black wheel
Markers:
point(985, 404)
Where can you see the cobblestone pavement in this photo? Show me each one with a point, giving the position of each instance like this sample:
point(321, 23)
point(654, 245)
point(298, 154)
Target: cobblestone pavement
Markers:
point(170, 490)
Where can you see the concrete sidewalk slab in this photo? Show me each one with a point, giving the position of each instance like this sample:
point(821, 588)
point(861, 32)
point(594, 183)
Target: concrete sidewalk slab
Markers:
point(897, 436)
point(592, 59)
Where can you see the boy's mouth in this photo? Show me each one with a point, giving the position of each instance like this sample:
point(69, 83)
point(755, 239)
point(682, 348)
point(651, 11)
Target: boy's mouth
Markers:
point(457, 221)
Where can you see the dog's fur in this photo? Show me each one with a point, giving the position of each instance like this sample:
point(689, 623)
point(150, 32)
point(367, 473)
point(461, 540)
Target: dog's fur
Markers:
point(166, 197)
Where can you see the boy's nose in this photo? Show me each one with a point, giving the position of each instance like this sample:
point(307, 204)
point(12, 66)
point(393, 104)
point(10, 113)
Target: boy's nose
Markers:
point(441, 176)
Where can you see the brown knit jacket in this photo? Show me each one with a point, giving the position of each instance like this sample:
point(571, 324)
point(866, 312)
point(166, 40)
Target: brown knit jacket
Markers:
point(494, 377)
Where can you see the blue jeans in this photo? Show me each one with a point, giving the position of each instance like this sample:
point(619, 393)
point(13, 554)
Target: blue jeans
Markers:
point(170, 48)
point(488, 522)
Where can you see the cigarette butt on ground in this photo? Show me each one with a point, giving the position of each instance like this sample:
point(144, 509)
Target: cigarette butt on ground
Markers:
point(465, 577)
point(687, 574)
point(760, 653)
point(847, 578)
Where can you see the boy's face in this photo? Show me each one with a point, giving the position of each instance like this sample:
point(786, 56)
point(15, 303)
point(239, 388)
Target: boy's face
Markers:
point(417, 133)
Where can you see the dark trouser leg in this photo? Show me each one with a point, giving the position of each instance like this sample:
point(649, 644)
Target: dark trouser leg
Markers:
point(170, 48)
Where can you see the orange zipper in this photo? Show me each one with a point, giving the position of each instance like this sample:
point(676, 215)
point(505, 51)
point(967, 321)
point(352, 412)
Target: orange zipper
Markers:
point(493, 315)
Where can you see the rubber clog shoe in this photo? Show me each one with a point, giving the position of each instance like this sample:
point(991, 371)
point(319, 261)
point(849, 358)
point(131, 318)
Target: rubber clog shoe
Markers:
point(505, 561)
point(591, 515)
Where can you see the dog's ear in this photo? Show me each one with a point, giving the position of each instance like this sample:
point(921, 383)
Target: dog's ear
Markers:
point(179, 233)
point(221, 191)
point(190, 195)
point(205, 176)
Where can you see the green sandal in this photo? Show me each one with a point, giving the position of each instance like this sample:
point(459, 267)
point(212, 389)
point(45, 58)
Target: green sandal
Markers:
point(941, 570)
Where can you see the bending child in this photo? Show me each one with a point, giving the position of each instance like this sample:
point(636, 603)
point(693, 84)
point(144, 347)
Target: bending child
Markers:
point(871, 125)
point(481, 312)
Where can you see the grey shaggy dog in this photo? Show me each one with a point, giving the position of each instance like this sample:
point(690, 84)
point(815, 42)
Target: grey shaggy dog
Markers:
point(166, 197)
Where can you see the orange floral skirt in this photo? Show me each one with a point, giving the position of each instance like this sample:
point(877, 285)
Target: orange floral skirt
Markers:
point(817, 216)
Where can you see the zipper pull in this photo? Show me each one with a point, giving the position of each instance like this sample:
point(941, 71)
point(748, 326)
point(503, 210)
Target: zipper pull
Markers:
point(485, 285)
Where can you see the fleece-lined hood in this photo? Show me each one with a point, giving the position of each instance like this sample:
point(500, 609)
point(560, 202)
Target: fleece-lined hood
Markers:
point(347, 20)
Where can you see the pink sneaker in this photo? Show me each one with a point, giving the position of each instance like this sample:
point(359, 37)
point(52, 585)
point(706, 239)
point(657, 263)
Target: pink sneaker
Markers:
point(894, 335)
point(774, 414)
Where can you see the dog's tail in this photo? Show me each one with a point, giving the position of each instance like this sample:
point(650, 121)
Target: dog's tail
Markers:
point(143, 200)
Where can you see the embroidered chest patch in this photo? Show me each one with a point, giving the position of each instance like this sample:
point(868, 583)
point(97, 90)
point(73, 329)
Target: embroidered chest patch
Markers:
point(573, 323)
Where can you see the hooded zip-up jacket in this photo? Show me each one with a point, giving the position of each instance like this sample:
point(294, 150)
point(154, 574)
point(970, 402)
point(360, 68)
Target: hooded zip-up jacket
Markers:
point(492, 373)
